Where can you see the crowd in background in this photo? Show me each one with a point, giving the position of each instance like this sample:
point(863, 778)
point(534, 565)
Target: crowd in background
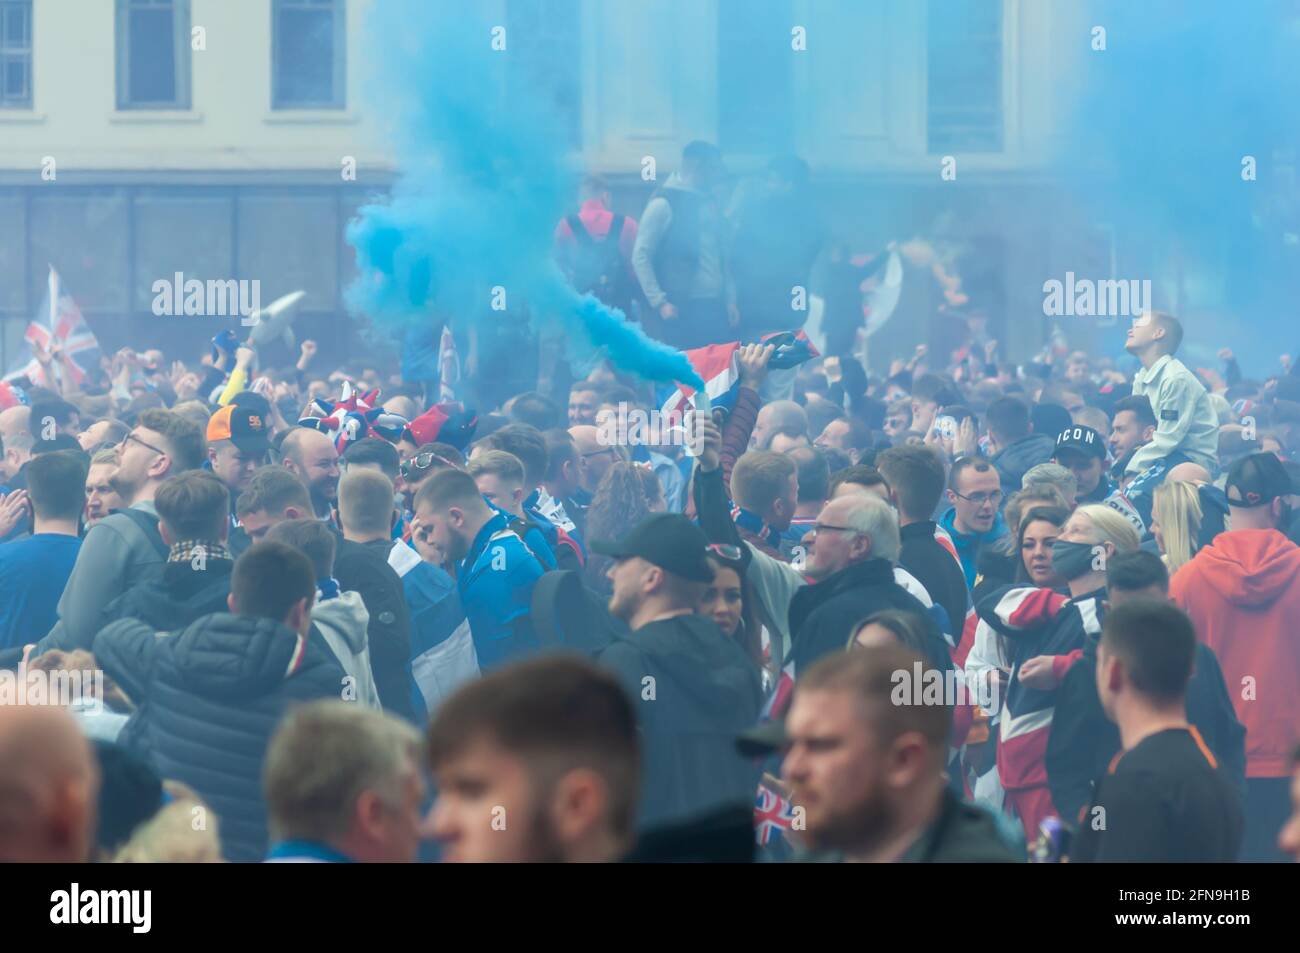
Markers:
point(965, 610)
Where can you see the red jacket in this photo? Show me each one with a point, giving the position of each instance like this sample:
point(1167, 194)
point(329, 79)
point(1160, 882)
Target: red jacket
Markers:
point(1243, 595)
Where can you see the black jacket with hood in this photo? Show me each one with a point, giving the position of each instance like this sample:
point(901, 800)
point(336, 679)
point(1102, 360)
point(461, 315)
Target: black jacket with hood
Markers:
point(695, 690)
point(208, 699)
point(176, 596)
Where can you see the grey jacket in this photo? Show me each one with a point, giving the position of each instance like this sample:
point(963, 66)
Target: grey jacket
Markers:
point(115, 555)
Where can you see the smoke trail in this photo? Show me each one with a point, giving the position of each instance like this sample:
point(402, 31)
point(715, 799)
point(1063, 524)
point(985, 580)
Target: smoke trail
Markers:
point(481, 185)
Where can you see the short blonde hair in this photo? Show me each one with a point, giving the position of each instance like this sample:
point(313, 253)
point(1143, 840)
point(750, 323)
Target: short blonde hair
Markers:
point(1111, 527)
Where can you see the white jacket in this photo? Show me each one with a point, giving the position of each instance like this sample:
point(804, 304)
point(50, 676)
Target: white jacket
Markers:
point(343, 621)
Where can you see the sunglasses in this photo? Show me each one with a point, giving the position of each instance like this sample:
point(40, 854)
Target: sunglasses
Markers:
point(424, 461)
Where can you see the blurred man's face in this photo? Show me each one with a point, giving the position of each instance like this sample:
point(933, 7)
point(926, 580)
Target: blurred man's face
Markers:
point(834, 768)
point(489, 810)
point(100, 495)
point(834, 436)
point(923, 412)
point(628, 577)
point(506, 494)
point(1076, 372)
point(1106, 668)
point(444, 530)
point(1141, 333)
point(976, 500)
point(316, 462)
point(1289, 839)
point(93, 435)
point(138, 458)
point(582, 407)
point(394, 835)
point(1086, 469)
point(233, 466)
point(837, 544)
point(896, 424)
point(1126, 434)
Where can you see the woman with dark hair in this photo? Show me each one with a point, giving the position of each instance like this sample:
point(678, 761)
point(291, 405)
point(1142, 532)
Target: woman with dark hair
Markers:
point(727, 602)
point(1038, 530)
point(627, 494)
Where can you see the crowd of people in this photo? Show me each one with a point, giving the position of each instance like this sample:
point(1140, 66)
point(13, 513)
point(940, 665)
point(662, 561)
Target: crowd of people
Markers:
point(965, 610)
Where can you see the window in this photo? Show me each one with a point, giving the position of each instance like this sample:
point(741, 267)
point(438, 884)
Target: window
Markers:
point(308, 50)
point(964, 76)
point(153, 54)
point(15, 54)
point(755, 76)
point(545, 64)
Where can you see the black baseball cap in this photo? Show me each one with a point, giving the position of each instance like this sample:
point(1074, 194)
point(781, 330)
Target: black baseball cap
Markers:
point(670, 541)
point(763, 739)
point(1257, 480)
point(1080, 439)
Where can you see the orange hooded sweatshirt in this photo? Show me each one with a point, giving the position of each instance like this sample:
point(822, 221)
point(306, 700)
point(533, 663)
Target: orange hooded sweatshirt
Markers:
point(1243, 595)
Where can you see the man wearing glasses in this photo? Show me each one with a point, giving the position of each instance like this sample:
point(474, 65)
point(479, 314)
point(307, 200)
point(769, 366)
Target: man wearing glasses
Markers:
point(125, 546)
point(594, 457)
point(974, 520)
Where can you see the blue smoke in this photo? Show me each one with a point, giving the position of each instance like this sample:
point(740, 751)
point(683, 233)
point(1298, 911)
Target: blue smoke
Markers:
point(1154, 144)
point(481, 185)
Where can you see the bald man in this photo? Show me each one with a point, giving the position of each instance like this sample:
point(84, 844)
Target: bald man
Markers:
point(780, 416)
point(49, 787)
point(1190, 472)
point(14, 431)
point(312, 457)
point(594, 456)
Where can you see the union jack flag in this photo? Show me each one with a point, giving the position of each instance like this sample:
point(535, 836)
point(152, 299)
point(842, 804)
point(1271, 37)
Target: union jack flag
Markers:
point(773, 815)
point(59, 321)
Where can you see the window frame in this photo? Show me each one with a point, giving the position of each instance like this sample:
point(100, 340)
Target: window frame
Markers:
point(182, 101)
point(339, 70)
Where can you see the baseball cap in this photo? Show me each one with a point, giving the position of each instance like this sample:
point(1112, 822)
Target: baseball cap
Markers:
point(245, 427)
point(1257, 480)
point(1082, 440)
point(763, 739)
point(670, 541)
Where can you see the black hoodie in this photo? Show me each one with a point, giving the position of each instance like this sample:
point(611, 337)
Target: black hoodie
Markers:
point(695, 691)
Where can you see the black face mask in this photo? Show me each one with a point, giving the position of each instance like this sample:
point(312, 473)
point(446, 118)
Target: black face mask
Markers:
point(1072, 560)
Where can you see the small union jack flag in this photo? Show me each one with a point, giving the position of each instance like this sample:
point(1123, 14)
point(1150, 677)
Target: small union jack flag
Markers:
point(773, 815)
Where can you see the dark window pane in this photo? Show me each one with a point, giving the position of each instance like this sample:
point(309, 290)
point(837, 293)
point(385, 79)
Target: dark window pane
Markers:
point(964, 75)
point(15, 80)
point(546, 61)
point(304, 60)
point(153, 56)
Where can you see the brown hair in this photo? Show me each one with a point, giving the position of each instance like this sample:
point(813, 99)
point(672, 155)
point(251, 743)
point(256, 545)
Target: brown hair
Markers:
point(195, 505)
point(557, 713)
point(182, 438)
point(760, 478)
point(272, 490)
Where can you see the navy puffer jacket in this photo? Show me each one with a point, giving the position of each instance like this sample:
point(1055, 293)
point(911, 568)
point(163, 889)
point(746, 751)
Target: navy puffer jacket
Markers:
point(209, 697)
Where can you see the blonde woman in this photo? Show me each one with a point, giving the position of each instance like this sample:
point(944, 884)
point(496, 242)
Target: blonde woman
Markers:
point(184, 831)
point(1176, 522)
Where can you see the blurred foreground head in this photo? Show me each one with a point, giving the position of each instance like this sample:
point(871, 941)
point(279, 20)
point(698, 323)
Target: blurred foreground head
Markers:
point(535, 762)
point(48, 787)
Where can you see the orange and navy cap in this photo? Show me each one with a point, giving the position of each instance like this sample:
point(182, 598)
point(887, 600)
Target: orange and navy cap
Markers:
point(245, 427)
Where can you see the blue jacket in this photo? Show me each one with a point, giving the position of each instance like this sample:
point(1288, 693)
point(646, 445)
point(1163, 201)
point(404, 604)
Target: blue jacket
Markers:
point(968, 546)
point(496, 580)
point(209, 698)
